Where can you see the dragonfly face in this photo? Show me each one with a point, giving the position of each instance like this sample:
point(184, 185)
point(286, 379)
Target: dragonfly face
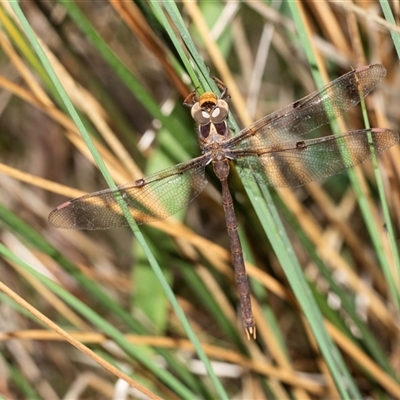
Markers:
point(271, 150)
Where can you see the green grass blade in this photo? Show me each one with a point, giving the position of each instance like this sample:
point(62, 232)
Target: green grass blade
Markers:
point(387, 11)
point(334, 360)
point(391, 279)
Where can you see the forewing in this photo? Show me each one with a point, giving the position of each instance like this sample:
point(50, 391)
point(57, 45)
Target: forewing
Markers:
point(149, 199)
point(312, 111)
point(297, 163)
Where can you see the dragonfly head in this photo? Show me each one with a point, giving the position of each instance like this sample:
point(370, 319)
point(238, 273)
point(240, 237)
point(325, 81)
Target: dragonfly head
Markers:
point(209, 109)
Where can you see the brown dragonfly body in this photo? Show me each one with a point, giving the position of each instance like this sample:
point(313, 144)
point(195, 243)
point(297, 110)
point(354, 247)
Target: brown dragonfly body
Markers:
point(268, 151)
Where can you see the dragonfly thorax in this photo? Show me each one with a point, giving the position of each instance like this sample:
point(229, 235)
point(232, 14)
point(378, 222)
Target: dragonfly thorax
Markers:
point(212, 135)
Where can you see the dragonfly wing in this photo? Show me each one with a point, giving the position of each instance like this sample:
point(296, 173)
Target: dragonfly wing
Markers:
point(149, 199)
point(297, 163)
point(312, 111)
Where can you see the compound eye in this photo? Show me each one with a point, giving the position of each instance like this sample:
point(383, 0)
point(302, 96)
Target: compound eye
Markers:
point(220, 112)
point(199, 115)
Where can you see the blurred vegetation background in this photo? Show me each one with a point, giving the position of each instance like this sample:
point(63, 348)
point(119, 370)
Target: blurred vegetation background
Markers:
point(123, 71)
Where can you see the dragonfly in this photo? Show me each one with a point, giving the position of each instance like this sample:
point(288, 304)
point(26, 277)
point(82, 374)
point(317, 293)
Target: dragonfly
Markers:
point(270, 151)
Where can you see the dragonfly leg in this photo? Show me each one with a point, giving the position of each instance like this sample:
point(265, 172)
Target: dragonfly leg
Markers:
point(223, 88)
